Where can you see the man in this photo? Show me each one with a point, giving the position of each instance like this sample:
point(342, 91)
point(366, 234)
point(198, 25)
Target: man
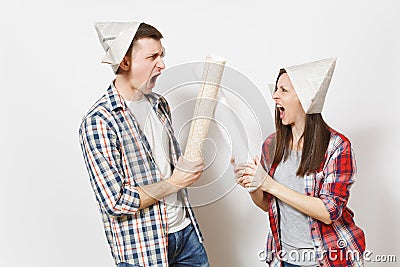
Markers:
point(130, 152)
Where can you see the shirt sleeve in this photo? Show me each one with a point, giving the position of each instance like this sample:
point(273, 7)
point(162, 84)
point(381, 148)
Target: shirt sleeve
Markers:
point(339, 176)
point(267, 152)
point(102, 158)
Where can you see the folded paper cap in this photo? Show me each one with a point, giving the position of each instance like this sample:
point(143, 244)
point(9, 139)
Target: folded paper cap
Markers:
point(116, 37)
point(311, 82)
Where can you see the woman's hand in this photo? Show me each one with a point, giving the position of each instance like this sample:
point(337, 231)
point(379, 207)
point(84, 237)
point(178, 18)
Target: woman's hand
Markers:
point(243, 171)
point(252, 175)
point(244, 174)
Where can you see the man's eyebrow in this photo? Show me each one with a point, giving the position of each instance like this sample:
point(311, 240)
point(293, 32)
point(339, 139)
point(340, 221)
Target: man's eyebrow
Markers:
point(155, 53)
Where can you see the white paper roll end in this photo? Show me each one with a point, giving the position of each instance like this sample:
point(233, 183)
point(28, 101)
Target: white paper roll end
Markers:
point(251, 189)
point(216, 58)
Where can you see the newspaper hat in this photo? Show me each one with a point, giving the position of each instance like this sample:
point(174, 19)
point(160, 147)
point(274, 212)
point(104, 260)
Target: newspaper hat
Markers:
point(115, 37)
point(311, 82)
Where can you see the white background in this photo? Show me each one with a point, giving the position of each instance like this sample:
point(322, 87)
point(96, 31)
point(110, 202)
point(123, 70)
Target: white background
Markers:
point(50, 75)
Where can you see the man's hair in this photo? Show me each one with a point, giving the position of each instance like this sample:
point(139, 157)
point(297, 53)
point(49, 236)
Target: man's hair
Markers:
point(144, 31)
point(316, 138)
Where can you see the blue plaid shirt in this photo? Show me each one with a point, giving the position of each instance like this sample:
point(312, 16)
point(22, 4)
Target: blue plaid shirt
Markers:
point(118, 158)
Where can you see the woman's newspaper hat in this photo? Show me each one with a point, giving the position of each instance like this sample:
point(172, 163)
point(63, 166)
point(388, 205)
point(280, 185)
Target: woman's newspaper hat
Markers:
point(311, 82)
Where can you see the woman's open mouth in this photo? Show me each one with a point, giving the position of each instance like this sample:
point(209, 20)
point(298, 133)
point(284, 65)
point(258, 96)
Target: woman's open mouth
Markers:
point(281, 111)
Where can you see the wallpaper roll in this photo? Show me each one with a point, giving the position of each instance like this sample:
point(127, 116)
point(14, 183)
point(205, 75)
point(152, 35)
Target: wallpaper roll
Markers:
point(233, 131)
point(205, 105)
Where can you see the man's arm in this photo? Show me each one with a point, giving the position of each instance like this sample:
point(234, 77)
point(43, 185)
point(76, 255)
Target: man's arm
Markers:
point(103, 162)
point(102, 158)
point(184, 175)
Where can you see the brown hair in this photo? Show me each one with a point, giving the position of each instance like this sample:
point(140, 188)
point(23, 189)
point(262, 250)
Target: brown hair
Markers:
point(144, 31)
point(315, 137)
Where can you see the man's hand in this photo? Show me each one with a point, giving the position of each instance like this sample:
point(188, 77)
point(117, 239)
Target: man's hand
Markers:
point(184, 175)
point(186, 172)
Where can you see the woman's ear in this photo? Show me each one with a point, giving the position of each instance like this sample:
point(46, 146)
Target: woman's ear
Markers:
point(125, 63)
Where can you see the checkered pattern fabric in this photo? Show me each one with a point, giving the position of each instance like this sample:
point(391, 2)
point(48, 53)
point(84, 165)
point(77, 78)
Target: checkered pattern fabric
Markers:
point(342, 242)
point(119, 159)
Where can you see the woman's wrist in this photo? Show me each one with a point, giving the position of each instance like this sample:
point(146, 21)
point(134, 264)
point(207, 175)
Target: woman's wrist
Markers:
point(271, 187)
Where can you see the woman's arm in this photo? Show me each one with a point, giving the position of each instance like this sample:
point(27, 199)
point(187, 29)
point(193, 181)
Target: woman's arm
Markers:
point(334, 192)
point(259, 198)
point(335, 189)
point(245, 171)
point(254, 175)
point(311, 206)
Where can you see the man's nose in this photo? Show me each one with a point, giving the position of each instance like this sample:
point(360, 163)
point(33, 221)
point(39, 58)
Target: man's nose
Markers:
point(160, 63)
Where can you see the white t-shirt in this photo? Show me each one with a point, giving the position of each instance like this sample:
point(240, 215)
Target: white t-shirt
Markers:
point(158, 139)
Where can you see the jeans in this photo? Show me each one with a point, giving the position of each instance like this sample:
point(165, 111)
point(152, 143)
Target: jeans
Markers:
point(286, 264)
point(184, 250)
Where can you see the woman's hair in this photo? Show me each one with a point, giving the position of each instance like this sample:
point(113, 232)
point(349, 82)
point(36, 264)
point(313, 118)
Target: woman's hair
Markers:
point(315, 140)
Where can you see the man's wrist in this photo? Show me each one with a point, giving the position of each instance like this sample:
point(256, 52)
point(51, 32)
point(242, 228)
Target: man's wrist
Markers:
point(171, 186)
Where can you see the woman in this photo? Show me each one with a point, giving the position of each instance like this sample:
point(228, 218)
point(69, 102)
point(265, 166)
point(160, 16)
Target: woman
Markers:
point(306, 174)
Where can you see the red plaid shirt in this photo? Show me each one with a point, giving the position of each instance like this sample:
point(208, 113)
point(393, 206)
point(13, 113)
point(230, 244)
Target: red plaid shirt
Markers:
point(340, 243)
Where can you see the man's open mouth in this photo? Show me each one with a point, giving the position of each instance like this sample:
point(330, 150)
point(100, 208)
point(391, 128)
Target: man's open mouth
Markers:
point(154, 78)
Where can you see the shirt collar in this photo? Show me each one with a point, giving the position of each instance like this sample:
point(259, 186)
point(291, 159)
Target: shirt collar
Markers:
point(153, 98)
point(116, 100)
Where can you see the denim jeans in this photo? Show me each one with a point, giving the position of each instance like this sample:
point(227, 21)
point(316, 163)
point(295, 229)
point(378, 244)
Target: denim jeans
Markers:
point(184, 250)
point(286, 264)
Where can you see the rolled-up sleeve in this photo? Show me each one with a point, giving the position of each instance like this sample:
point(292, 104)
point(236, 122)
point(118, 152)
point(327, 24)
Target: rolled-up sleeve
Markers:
point(102, 158)
point(267, 151)
point(338, 177)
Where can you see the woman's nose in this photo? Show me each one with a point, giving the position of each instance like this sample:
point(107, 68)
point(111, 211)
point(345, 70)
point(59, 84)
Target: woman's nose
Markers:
point(275, 95)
